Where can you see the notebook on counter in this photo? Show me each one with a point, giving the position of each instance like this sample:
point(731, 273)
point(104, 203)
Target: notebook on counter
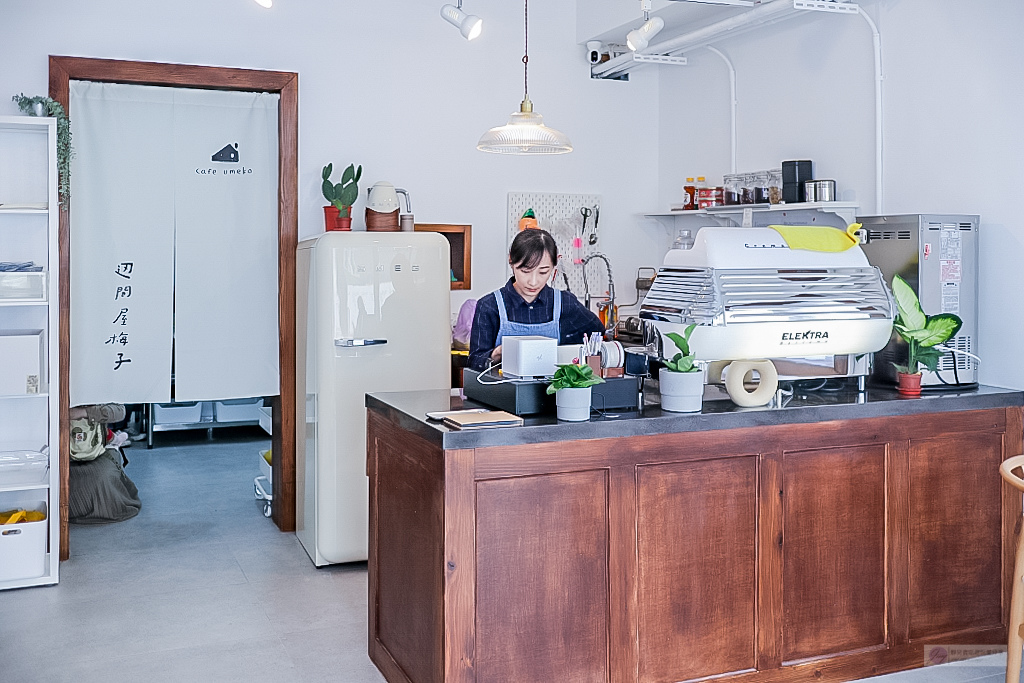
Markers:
point(481, 419)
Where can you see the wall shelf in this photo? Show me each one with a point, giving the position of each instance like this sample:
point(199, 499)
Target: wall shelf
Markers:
point(28, 165)
point(836, 214)
point(460, 237)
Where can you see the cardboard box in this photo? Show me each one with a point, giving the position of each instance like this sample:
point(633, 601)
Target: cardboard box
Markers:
point(22, 354)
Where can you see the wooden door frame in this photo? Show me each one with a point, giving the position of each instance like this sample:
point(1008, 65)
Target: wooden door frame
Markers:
point(285, 84)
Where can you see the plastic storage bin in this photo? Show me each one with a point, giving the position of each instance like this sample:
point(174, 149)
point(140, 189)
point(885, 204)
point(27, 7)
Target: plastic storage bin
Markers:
point(238, 410)
point(23, 545)
point(23, 286)
point(21, 351)
point(23, 468)
point(177, 413)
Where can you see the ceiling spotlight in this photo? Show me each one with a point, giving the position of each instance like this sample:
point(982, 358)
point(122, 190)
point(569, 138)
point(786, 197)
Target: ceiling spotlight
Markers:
point(639, 38)
point(469, 25)
point(265, 3)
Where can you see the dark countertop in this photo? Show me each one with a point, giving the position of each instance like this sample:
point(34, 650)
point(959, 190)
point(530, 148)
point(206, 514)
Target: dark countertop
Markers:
point(409, 410)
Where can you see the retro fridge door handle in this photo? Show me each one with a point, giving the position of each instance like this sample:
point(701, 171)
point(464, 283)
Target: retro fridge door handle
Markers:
point(360, 342)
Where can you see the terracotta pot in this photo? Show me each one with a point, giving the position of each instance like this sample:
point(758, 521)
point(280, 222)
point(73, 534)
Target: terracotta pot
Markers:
point(333, 220)
point(909, 385)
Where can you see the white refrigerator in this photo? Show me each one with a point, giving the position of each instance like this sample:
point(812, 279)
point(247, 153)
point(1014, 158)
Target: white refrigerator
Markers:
point(372, 314)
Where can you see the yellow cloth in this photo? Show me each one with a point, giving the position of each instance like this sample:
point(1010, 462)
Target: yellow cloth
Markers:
point(818, 237)
point(15, 516)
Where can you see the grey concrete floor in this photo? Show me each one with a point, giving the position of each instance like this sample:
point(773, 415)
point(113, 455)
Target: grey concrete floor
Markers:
point(200, 587)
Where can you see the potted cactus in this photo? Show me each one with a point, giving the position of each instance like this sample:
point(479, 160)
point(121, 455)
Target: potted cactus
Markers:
point(338, 215)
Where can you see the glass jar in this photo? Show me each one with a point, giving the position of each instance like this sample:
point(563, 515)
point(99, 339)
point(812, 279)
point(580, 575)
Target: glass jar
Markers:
point(733, 185)
point(759, 182)
point(747, 189)
point(775, 186)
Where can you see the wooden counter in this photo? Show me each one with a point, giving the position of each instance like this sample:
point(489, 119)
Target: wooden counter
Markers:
point(796, 550)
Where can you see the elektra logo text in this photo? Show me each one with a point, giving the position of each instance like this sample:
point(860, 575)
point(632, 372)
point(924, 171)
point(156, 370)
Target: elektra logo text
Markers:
point(807, 337)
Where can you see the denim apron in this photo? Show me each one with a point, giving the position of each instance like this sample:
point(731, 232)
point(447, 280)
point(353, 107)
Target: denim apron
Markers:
point(509, 328)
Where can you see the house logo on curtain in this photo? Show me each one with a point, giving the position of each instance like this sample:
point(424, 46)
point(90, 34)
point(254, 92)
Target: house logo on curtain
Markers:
point(228, 153)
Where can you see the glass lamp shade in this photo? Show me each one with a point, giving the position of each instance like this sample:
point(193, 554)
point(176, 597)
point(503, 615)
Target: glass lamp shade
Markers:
point(525, 133)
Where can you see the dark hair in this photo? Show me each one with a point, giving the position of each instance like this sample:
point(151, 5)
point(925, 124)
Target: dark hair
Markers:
point(529, 247)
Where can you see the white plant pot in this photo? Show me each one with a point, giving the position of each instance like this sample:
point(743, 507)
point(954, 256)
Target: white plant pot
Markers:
point(573, 405)
point(681, 392)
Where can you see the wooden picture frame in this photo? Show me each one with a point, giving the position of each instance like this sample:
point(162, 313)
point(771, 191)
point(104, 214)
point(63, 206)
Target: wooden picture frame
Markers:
point(460, 237)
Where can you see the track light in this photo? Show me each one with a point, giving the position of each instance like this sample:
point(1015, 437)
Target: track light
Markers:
point(469, 25)
point(265, 3)
point(638, 39)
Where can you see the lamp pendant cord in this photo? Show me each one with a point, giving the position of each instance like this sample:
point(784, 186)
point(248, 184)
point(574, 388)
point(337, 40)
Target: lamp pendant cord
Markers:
point(526, 49)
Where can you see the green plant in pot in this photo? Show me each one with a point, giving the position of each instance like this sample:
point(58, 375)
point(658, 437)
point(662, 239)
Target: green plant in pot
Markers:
point(923, 333)
point(571, 385)
point(681, 380)
point(341, 196)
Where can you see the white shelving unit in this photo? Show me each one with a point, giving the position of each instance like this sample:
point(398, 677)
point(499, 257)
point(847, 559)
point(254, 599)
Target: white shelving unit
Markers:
point(836, 214)
point(29, 420)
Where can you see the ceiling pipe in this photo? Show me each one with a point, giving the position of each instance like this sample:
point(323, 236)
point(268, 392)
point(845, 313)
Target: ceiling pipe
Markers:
point(878, 109)
point(732, 103)
point(768, 12)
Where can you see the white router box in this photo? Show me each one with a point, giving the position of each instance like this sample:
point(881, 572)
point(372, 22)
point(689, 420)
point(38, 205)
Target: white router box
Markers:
point(529, 356)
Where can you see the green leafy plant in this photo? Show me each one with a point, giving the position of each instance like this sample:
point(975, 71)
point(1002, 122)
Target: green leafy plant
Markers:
point(921, 332)
point(344, 194)
point(573, 376)
point(685, 359)
point(64, 150)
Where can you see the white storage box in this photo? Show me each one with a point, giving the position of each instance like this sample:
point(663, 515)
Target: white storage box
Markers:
point(238, 410)
point(177, 413)
point(23, 546)
point(23, 286)
point(22, 354)
point(265, 469)
point(23, 467)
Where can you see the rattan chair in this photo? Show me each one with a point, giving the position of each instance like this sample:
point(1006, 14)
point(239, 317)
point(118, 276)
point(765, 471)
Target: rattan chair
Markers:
point(1015, 628)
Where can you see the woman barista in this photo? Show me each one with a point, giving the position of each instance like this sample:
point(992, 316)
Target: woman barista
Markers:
point(526, 305)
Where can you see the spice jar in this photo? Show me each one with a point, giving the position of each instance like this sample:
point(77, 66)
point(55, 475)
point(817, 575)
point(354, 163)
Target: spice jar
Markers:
point(733, 186)
point(747, 189)
point(760, 186)
point(775, 186)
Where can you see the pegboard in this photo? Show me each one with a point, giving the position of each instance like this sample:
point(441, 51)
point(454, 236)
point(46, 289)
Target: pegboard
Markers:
point(560, 215)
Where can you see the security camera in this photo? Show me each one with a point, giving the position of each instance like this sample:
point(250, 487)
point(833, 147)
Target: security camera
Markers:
point(594, 51)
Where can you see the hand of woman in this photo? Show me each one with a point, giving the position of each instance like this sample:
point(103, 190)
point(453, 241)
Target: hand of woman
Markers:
point(496, 354)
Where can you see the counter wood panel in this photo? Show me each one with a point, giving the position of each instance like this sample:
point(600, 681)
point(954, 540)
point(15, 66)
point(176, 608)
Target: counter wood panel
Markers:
point(829, 551)
point(833, 550)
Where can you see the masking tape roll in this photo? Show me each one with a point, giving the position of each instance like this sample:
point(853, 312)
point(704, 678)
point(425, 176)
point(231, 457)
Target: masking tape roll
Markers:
point(762, 394)
point(612, 355)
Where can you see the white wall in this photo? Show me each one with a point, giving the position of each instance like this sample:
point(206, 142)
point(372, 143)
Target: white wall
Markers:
point(408, 100)
point(952, 124)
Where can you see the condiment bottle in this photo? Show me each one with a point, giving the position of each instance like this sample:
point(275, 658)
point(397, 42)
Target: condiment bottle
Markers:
point(689, 195)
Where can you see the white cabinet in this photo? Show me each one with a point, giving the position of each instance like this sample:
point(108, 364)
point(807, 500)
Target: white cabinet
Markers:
point(29, 550)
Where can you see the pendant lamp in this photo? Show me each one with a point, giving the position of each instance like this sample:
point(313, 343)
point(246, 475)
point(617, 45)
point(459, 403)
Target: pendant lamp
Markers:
point(525, 132)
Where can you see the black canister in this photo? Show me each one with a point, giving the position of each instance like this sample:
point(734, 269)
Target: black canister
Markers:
point(794, 175)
